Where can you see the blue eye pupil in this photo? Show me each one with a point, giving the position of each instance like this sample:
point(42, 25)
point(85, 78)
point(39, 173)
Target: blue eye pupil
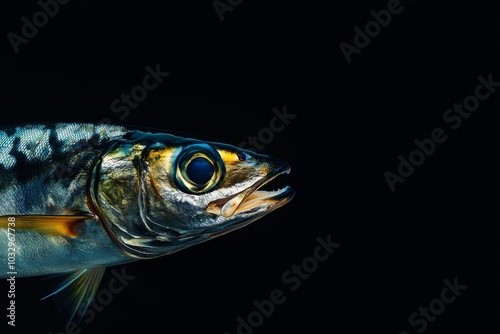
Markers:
point(200, 170)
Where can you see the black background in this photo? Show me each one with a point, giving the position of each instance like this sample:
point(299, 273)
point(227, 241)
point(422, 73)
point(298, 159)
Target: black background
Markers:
point(353, 121)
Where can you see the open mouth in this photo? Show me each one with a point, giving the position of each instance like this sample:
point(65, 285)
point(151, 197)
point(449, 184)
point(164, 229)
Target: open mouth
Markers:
point(253, 198)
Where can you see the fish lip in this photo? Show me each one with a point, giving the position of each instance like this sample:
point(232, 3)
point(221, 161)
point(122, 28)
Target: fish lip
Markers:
point(252, 197)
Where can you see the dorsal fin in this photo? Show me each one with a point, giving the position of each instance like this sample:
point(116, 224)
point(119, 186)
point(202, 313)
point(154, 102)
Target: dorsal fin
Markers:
point(78, 290)
point(50, 224)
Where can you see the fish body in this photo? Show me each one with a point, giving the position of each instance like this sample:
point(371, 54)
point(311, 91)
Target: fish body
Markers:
point(82, 197)
point(44, 171)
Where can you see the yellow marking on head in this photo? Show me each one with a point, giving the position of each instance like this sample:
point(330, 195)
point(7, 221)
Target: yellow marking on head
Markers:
point(228, 156)
point(160, 162)
point(164, 154)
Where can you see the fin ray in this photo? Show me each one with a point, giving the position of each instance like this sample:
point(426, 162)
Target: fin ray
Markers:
point(78, 290)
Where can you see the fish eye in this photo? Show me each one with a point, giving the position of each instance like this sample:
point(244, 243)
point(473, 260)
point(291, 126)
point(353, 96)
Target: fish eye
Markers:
point(198, 168)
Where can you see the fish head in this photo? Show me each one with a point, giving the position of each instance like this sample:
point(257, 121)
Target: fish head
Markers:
point(158, 193)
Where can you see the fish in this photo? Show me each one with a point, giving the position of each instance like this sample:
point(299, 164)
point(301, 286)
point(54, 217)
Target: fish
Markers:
point(77, 198)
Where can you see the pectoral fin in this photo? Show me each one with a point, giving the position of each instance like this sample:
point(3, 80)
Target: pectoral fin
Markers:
point(64, 225)
point(78, 290)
